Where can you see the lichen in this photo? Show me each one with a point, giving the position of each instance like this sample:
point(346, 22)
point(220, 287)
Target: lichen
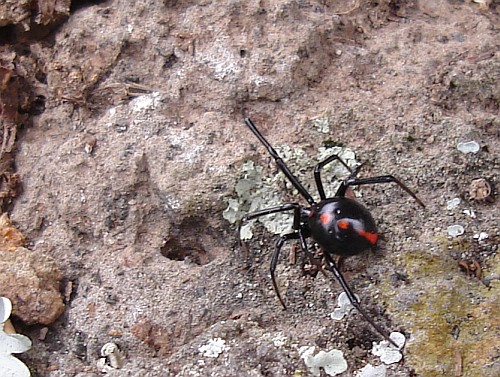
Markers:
point(11, 343)
point(332, 362)
point(372, 371)
point(343, 308)
point(322, 123)
point(259, 188)
point(213, 348)
point(387, 352)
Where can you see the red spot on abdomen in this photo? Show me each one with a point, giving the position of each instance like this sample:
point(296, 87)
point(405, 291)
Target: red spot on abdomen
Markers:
point(371, 237)
point(325, 218)
point(342, 224)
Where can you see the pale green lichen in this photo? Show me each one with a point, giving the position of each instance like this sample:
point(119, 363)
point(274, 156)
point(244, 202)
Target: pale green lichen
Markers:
point(258, 188)
point(372, 371)
point(322, 123)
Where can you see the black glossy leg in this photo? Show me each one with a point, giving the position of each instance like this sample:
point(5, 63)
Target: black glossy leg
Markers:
point(281, 165)
point(317, 173)
point(353, 299)
point(302, 235)
point(353, 181)
point(268, 211)
point(297, 234)
point(274, 262)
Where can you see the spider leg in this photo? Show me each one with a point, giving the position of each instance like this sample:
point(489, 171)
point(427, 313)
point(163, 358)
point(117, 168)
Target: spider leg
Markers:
point(263, 212)
point(302, 234)
point(321, 165)
point(353, 181)
point(313, 258)
point(332, 266)
point(274, 262)
point(279, 161)
point(268, 211)
point(298, 233)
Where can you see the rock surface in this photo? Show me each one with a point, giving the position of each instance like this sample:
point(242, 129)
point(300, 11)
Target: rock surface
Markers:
point(135, 143)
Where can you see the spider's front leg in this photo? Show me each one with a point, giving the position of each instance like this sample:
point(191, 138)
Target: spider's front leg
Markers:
point(321, 165)
point(268, 211)
point(274, 262)
point(353, 181)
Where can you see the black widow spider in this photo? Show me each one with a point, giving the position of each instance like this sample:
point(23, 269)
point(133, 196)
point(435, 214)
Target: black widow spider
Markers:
point(339, 225)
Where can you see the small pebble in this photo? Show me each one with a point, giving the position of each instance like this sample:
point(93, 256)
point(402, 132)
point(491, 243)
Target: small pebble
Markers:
point(468, 147)
point(453, 203)
point(469, 212)
point(111, 358)
point(481, 236)
point(480, 189)
point(455, 230)
point(43, 333)
point(89, 144)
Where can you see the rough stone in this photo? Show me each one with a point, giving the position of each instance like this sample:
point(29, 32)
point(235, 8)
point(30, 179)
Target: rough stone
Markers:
point(128, 167)
point(29, 279)
point(43, 12)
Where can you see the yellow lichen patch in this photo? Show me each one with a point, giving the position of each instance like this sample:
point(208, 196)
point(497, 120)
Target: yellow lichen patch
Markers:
point(452, 318)
point(480, 354)
point(10, 237)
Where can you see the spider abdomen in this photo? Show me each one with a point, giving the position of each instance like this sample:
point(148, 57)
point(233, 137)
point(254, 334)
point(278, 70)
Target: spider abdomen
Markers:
point(342, 226)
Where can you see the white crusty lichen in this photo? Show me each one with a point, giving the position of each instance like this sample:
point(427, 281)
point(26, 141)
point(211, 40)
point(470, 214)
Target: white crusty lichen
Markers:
point(387, 352)
point(468, 147)
point(111, 358)
point(261, 188)
point(213, 348)
point(344, 306)
point(332, 362)
point(11, 343)
point(455, 230)
point(372, 371)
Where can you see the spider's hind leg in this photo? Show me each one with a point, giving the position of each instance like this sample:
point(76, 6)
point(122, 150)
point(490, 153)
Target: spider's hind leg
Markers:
point(332, 266)
point(313, 263)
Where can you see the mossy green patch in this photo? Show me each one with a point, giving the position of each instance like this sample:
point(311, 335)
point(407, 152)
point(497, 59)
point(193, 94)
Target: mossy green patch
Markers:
point(453, 319)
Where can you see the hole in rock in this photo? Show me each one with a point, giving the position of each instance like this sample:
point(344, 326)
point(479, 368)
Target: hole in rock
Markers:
point(190, 241)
